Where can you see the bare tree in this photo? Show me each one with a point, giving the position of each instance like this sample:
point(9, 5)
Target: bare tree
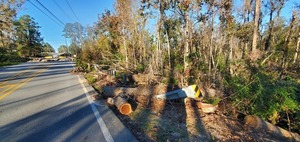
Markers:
point(256, 24)
point(287, 39)
point(272, 5)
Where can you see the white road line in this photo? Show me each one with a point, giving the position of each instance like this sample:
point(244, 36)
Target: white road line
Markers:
point(100, 121)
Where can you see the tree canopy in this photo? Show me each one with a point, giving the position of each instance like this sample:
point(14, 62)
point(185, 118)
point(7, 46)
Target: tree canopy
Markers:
point(28, 37)
point(63, 49)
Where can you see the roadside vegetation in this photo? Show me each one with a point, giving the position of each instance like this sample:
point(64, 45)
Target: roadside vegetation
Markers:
point(10, 59)
point(249, 52)
point(20, 38)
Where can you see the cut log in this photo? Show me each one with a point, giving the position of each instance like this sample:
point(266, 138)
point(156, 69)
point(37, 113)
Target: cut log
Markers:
point(257, 123)
point(142, 95)
point(110, 91)
point(123, 106)
point(121, 103)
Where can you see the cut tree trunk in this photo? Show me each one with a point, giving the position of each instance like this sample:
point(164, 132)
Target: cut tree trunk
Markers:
point(142, 95)
point(297, 50)
point(256, 24)
point(257, 123)
point(110, 91)
point(121, 103)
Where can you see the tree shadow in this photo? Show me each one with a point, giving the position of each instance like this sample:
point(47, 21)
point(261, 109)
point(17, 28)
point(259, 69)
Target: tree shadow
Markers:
point(172, 115)
point(70, 120)
point(197, 129)
point(36, 98)
point(64, 121)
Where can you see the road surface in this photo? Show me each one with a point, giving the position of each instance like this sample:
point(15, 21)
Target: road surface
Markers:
point(44, 102)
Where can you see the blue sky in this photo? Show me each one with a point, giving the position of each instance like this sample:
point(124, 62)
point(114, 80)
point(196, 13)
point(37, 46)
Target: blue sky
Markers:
point(86, 10)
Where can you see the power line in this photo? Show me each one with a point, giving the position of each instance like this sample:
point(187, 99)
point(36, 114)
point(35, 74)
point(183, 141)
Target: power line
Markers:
point(63, 10)
point(46, 14)
point(50, 12)
point(72, 10)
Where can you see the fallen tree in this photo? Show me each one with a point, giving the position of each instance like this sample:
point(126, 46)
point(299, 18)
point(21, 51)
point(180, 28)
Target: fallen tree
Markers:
point(142, 95)
point(257, 123)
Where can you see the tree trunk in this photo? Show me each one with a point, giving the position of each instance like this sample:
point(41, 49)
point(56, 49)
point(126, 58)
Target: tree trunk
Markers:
point(2, 39)
point(186, 46)
point(271, 24)
point(246, 10)
point(259, 124)
point(286, 44)
point(273, 7)
point(210, 64)
point(297, 50)
point(230, 49)
point(256, 24)
point(125, 47)
point(169, 52)
point(157, 65)
point(245, 48)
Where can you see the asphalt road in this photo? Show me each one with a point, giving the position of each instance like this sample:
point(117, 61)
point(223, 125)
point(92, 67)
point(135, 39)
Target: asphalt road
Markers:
point(44, 102)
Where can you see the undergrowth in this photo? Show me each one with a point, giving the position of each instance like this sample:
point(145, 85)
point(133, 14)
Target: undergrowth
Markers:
point(7, 59)
point(267, 96)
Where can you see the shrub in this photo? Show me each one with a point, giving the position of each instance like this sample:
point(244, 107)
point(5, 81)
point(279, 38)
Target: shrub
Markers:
point(90, 79)
point(140, 68)
point(10, 59)
point(264, 96)
point(214, 100)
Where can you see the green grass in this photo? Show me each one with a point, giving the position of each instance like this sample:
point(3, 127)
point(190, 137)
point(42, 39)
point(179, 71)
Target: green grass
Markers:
point(214, 100)
point(90, 78)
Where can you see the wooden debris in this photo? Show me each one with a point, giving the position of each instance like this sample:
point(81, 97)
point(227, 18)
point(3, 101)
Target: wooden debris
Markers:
point(110, 91)
point(121, 103)
point(257, 123)
point(143, 95)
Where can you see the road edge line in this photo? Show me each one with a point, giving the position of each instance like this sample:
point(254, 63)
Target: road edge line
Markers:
point(100, 120)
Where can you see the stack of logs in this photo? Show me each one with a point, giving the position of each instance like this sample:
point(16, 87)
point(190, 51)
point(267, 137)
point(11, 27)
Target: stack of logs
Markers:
point(118, 96)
